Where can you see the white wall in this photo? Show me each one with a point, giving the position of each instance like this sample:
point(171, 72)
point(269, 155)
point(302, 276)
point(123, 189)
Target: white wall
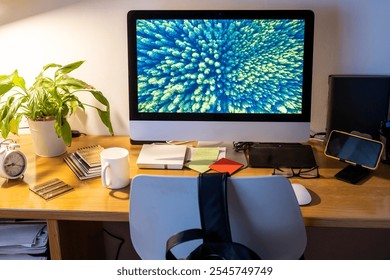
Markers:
point(351, 37)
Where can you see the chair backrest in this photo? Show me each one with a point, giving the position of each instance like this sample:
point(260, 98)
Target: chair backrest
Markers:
point(264, 214)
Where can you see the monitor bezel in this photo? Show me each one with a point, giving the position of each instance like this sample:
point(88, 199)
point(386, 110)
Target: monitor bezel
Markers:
point(306, 15)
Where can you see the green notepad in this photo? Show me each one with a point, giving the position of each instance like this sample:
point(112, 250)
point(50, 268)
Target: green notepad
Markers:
point(202, 158)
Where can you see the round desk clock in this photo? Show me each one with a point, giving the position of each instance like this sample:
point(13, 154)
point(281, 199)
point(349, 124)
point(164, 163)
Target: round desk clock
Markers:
point(13, 163)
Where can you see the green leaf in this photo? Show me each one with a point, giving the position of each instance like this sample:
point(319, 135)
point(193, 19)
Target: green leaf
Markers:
point(5, 79)
point(66, 132)
point(7, 82)
point(57, 126)
point(105, 118)
point(103, 114)
point(65, 110)
point(10, 117)
point(43, 83)
point(7, 108)
point(19, 81)
point(4, 112)
point(41, 75)
point(5, 128)
point(74, 104)
point(73, 83)
point(4, 88)
point(100, 97)
point(51, 65)
point(14, 124)
point(68, 68)
point(6, 117)
point(63, 130)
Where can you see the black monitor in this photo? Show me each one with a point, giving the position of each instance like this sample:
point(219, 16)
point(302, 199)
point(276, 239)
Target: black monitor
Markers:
point(235, 75)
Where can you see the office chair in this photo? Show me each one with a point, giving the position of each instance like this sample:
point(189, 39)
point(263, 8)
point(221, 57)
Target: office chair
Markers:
point(264, 215)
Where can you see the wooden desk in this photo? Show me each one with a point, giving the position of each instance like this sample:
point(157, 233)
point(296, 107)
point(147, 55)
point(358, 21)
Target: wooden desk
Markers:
point(335, 203)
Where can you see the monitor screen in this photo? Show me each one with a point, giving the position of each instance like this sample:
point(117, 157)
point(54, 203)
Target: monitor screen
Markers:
point(220, 75)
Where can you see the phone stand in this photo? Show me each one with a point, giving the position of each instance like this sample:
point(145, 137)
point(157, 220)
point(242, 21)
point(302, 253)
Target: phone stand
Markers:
point(353, 174)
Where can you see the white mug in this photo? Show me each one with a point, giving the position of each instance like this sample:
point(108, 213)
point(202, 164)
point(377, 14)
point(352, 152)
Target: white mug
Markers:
point(115, 168)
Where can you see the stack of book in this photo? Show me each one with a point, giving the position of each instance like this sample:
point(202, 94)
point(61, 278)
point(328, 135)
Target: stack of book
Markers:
point(85, 162)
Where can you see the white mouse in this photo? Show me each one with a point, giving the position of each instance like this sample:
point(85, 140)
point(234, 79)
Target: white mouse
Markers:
point(302, 194)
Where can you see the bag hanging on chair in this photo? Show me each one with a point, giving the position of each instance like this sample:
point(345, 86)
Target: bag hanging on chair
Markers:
point(215, 232)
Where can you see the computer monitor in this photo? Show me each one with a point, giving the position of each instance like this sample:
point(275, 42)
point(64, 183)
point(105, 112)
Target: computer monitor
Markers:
point(233, 75)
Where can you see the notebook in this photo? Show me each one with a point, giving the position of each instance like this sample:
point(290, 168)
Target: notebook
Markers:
point(162, 156)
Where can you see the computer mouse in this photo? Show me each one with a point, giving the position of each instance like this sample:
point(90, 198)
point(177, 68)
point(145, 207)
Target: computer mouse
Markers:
point(302, 194)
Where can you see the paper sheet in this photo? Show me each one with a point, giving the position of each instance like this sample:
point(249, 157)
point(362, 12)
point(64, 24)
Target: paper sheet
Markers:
point(226, 165)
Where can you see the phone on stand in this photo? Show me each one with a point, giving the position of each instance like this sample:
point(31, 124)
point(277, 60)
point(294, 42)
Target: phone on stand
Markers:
point(362, 154)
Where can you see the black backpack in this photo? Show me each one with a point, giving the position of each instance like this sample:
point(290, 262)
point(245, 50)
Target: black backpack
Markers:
point(215, 232)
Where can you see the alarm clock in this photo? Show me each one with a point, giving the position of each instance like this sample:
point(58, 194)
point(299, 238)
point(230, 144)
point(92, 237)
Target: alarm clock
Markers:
point(13, 163)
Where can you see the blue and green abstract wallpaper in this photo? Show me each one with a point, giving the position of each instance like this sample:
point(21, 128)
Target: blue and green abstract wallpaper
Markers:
point(220, 66)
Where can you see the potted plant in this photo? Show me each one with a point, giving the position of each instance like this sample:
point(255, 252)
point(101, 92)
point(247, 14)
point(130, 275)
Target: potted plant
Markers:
point(47, 103)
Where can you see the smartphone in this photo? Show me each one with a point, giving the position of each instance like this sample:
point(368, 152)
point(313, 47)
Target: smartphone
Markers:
point(354, 149)
point(362, 154)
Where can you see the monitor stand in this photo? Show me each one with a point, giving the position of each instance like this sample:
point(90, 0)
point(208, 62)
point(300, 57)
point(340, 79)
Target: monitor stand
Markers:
point(230, 152)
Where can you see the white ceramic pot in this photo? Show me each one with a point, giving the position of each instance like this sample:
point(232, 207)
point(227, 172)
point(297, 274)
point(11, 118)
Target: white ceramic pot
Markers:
point(45, 139)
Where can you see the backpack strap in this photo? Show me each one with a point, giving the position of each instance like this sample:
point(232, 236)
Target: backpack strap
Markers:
point(213, 207)
point(215, 231)
point(214, 218)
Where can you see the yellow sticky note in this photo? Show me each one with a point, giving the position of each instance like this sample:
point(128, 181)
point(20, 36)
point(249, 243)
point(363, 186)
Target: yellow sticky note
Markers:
point(205, 154)
point(201, 166)
point(202, 158)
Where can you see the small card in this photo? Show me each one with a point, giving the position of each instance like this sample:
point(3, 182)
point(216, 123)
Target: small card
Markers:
point(226, 165)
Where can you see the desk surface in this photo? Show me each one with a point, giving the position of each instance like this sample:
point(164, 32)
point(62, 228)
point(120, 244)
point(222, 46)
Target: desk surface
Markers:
point(335, 203)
